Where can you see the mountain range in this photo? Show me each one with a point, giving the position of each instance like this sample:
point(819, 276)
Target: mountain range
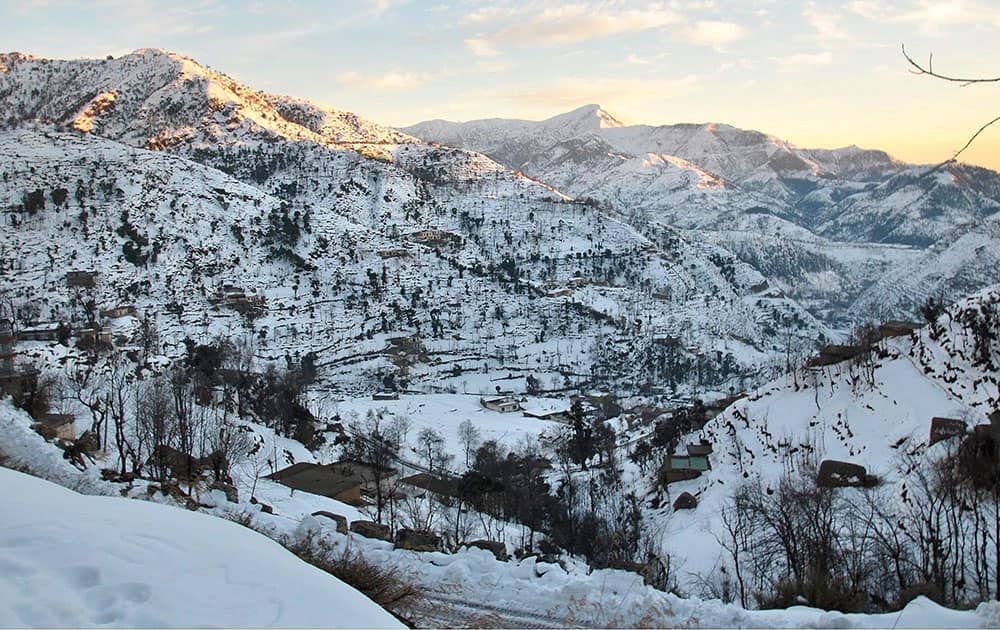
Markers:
point(854, 233)
point(579, 250)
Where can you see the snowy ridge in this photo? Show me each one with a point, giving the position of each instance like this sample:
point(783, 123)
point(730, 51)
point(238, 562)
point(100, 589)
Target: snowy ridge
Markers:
point(157, 99)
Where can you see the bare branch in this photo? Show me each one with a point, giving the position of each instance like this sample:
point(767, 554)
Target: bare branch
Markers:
point(929, 71)
point(974, 136)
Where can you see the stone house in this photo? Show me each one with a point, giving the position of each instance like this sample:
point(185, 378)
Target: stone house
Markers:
point(680, 468)
point(945, 429)
point(63, 425)
point(503, 404)
point(124, 310)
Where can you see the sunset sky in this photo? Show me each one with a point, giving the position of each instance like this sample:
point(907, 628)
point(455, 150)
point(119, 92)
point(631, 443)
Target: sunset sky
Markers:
point(816, 74)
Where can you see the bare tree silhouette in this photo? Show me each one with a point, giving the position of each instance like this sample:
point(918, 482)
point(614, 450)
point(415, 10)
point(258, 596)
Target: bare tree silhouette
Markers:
point(928, 69)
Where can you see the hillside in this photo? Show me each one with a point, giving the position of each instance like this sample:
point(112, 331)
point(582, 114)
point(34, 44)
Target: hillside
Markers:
point(325, 225)
point(875, 412)
point(715, 180)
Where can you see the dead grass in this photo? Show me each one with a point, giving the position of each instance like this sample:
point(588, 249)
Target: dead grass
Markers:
point(387, 586)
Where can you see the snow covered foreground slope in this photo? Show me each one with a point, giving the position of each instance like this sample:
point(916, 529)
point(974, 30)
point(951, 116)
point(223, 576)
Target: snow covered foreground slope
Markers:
point(71, 560)
point(77, 561)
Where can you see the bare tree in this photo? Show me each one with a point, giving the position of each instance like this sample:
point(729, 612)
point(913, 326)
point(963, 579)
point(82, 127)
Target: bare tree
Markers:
point(88, 385)
point(372, 442)
point(154, 420)
point(928, 70)
point(469, 437)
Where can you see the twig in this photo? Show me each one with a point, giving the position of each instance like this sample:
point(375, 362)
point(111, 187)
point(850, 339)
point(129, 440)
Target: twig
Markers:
point(929, 71)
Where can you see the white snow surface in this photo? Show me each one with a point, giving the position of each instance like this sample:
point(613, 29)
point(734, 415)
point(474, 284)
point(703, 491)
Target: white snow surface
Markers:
point(72, 560)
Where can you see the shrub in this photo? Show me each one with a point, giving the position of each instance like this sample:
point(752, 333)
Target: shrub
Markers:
point(386, 585)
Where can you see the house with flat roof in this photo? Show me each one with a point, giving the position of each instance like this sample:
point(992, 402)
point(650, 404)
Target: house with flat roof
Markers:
point(322, 480)
point(503, 404)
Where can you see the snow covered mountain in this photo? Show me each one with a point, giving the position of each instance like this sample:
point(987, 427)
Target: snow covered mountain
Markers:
point(717, 181)
point(156, 99)
point(353, 237)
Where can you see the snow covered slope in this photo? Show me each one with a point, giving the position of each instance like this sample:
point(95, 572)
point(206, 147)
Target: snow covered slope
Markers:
point(713, 178)
point(74, 561)
point(156, 99)
point(836, 412)
point(323, 211)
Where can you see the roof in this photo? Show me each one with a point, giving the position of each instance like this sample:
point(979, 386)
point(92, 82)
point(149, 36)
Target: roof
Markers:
point(316, 479)
point(688, 463)
point(57, 419)
point(437, 485)
point(294, 469)
point(351, 463)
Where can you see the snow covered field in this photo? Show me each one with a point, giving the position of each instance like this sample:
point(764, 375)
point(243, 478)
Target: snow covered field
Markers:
point(71, 560)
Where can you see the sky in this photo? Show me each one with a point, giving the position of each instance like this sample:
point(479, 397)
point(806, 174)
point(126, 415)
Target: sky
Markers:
point(817, 74)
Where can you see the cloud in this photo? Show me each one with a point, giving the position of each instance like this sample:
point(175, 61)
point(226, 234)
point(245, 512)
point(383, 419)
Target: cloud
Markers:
point(569, 23)
point(931, 18)
point(481, 47)
point(635, 60)
point(803, 61)
point(712, 33)
point(826, 25)
point(388, 81)
point(737, 64)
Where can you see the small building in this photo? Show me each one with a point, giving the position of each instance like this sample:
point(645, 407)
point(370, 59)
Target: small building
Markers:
point(385, 396)
point(393, 253)
point(681, 468)
point(503, 404)
point(760, 287)
point(552, 415)
point(45, 332)
point(102, 335)
point(124, 310)
point(370, 476)
point(63, 425)
point(435, 238)
point(321, 480)
point(702, 449)
point(7, 340)
point(945, 429)
point(81, 279)
point(555, 293)
point(837, 474)
point(237, 298)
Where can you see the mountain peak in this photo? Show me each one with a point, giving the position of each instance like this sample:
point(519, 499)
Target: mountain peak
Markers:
point(591, 117)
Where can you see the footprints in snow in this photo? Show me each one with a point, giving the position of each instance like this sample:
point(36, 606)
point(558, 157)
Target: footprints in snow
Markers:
point(109, 602)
